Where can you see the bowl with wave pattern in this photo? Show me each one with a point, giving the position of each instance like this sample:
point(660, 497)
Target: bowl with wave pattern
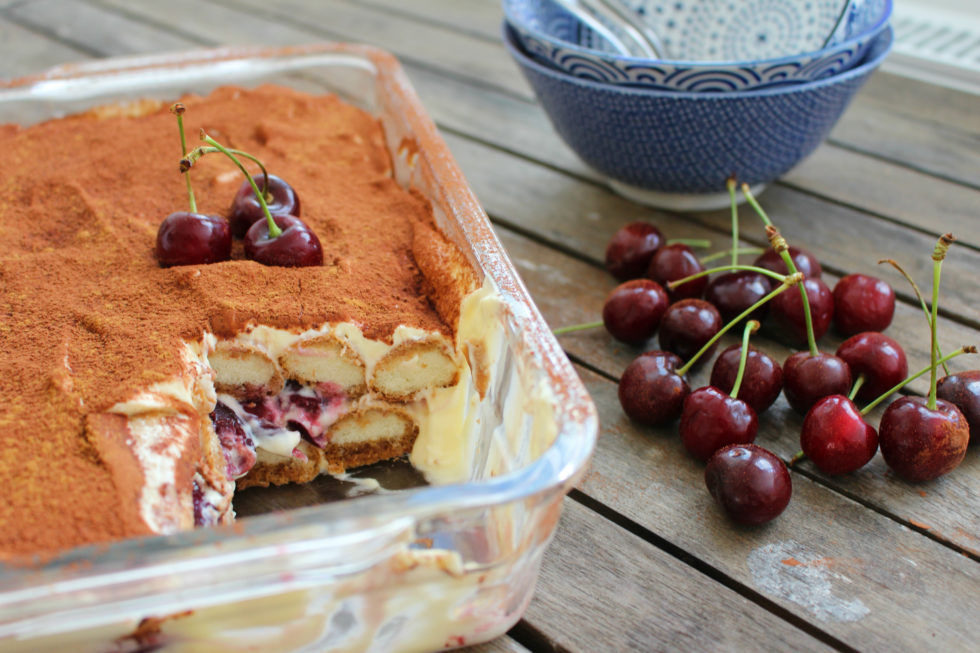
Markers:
point(675, 150)
point(556, 38)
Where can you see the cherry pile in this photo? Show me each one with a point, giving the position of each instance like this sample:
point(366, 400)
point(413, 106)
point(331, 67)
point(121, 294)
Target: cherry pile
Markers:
point(667, 292)
point(266, 218)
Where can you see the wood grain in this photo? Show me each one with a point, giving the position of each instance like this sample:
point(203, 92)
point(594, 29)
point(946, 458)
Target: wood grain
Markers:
point(604, 589)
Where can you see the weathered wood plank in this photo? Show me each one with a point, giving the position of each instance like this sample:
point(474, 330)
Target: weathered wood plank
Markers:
point(425, 43)
point(895, 192)
point(212, 24)
point(25, 51)
point(827, 559)
point(480, 17)
point(94, 30)
point(604, 589)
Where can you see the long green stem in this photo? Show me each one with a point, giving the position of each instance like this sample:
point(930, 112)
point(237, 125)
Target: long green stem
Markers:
point(726, 268)
point(791, 280)
point(779, 244)
point(938, 256)
point(750, 327)
point(690, 242)
point(736, 253)
point(962, 350)
point(856, 387)
point(922, 300)
point(274, 230)
point(191, 158)
point(178, 110)
point(576, 327)
point(730, 183)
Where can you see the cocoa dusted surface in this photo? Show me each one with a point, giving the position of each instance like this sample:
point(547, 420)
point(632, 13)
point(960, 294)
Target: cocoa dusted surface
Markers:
point(88, 317)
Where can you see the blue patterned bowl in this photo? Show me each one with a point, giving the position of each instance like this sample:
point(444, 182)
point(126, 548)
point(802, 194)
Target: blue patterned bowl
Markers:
point(675, 150)
point(708, 55)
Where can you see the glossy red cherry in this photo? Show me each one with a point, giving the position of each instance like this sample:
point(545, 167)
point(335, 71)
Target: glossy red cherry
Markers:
point(750, 483)
point(186, 238)
point(963, 390)
point(876, 356)
point(761, 383)
point(733, 292)
point(296, 246)
point(805, 262)
point(673, 262)
point(633, 310)
point(836, 437)
point(862, 303)
point(807, 378)
point(920, 443)
point(246, 210)
point(711, 419)
point(650, 391)
point(786, 316)
point(630, 249)
point(687, 326)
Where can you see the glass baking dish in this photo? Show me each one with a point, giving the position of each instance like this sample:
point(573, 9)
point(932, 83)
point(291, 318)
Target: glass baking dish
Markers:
point(419, 569)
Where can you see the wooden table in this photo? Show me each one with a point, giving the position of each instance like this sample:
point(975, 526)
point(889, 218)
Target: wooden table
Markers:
point(643, 560)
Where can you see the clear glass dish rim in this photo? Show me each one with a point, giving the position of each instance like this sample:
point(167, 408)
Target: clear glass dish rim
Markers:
point(554, 471)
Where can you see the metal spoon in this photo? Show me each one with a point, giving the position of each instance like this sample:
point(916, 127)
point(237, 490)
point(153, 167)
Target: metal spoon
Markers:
point(595, 14)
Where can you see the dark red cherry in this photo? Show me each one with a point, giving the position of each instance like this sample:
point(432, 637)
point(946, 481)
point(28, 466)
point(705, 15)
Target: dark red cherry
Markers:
point(805, 262)
point(246, 210)
point(750, 483)
point(761, 382)
point(296, 246)
point(633, 310)
point(676, 261)
point(650, 391)
point(808, 378)
point(879, 358)
point(862, 303)
point(629, 251)
point(963, 390)
point(786, 317)
point(687, 326)
point(186, 238)
point(733, 292)
point(919, 443)
point(711, 419)
point(836, 437)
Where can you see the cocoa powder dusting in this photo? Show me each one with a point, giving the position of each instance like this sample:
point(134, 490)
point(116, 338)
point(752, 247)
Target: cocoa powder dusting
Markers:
point(89, 318)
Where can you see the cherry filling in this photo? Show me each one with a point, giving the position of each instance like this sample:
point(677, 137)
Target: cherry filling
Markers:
point(236, 443)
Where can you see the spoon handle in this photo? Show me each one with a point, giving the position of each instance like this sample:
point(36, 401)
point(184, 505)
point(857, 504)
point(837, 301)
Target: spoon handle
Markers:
point(639, 30)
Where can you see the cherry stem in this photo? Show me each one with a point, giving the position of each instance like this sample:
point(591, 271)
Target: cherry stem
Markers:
point(938, 256)
point(195, 154)
point(576, 327)
point(790, 280)
point(730, 184)
point(750, 327)
point(797, 457)
point(736, 252)
point(962, 350)
point(857, 386)
point(274, 230)
point(779, 244)
point(726, 268)
point(178, 110)
point(690, 242)
point(922, 301)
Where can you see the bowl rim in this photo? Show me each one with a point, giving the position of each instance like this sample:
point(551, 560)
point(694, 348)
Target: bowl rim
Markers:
point(868, 65)
point(607, 57)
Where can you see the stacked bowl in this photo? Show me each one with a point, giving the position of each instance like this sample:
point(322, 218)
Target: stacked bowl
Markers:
point(668, 99)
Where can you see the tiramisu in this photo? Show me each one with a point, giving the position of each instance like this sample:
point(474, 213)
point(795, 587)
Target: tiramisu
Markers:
point(135, 397)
